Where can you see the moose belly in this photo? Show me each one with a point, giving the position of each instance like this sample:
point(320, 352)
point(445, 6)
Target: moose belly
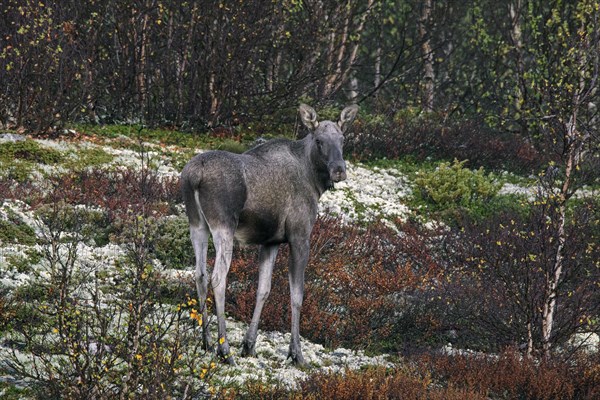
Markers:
point(259, 228)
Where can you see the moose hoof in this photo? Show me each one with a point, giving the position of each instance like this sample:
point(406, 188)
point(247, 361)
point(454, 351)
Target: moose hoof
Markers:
point(297, 359)
point(225, 355)
point(248, 349)
point(227, 358)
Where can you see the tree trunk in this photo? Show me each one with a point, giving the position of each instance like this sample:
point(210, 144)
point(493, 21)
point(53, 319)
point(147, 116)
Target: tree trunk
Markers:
point(517, 41)
point(555, 275)
point(182, 66)
point(377, 79)
point(573, 149)
point(141, 42)
point(347, 51)
point(428, 92)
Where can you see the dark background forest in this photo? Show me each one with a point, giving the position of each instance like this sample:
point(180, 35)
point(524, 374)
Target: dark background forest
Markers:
point(510, 66)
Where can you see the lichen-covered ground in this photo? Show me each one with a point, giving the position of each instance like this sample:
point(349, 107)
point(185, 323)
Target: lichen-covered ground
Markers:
point(369, 193)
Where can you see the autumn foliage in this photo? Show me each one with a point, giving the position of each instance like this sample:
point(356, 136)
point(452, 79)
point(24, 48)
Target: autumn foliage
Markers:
point(357, 283)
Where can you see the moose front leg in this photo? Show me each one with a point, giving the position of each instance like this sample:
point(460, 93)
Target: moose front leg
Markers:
point(299, 251)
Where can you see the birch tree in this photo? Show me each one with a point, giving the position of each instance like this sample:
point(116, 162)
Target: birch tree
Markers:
point(545, 72)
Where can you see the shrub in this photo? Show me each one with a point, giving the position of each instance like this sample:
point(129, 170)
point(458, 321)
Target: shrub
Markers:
point(511, 376)
point(431, 135)
point(495, 288)
point(93, 334)
point(173, 246)
point(454, 185)
point(117, 192)
point(358, 284)
point(452, 189)
point(372, 383)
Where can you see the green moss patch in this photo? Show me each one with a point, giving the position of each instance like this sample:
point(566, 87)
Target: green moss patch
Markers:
point(14, 230)
point(29, 150)
point(89, 157)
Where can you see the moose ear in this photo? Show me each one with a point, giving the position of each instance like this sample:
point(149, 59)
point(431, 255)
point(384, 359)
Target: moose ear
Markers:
point(308, 116)
point(347, 116)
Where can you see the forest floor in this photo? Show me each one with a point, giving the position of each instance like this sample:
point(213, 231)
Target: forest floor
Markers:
point(370, 193)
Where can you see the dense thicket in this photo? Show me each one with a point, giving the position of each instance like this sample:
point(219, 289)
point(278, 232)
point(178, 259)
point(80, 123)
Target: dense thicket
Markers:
point(203, 63)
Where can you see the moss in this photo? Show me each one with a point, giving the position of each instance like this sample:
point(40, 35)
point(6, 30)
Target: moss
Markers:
point(139, 132)
point(18, 159)
point(173, 246)
point(17, 170)
point(89, 157)
point(23, 263)
point(133, 134)
point(29, 150)
point(14, 230)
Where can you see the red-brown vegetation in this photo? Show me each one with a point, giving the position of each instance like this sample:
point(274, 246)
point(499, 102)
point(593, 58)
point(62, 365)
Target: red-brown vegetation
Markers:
point(357, 283)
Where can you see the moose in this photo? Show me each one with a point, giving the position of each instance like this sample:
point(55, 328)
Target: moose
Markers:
point(266, 196)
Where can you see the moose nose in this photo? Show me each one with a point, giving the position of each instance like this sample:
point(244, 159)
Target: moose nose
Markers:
point(338, 172)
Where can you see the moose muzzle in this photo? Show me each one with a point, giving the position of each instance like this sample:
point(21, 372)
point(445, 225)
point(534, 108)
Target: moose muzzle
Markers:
point(337, 171)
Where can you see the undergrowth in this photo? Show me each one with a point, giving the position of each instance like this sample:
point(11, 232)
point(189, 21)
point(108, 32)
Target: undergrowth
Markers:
point(444, 377)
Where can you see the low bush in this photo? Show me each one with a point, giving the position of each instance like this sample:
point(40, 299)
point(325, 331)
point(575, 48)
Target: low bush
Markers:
point(433, 136)
point(359, 283)
point(373, 383)
point(451, 188)
point(29, 150)
point(96, 334)
point(173, 247)
point(495, 284)
point(511, 376)
point(14, 230)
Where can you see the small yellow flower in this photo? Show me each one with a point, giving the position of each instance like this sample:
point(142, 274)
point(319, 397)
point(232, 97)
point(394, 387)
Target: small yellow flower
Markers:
point(138, 356)
point(192, 302)
point(222, 340)
point(194, 315)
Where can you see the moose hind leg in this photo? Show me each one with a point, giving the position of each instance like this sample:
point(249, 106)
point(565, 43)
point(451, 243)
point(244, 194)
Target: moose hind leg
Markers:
point(199, 235)
point(223, 241)
point(266, 259)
